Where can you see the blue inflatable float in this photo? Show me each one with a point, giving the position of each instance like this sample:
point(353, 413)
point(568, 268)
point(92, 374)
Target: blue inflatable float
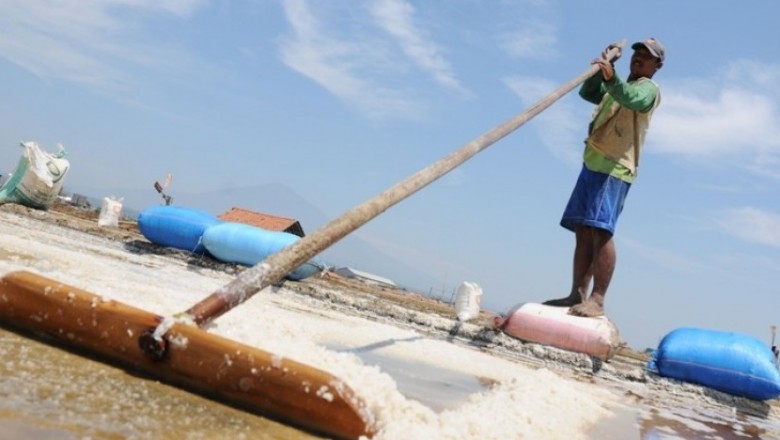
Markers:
point(248, 245)
point(175, 226)
point(737, 364)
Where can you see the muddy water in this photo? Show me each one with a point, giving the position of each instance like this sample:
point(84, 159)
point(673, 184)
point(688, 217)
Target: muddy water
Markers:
point(50, 393)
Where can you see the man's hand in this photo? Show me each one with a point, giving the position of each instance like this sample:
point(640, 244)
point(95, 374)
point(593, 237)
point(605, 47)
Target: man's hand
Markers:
point(607, 70)
point(610, 47)
point(608, 66)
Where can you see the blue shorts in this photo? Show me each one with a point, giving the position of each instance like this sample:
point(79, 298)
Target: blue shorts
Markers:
point(597, 201)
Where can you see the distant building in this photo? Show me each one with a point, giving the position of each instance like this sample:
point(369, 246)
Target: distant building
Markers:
point(348, 272)
point(261, 220)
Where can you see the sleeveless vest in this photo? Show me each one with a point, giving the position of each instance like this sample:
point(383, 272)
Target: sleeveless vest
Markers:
point(621, 136)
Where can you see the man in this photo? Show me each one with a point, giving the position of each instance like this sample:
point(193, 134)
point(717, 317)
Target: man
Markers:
point(610, 162)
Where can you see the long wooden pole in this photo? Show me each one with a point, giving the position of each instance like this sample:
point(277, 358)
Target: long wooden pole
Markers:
point(276, 266)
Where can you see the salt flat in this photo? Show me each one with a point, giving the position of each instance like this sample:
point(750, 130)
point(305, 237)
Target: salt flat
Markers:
point(422, 374)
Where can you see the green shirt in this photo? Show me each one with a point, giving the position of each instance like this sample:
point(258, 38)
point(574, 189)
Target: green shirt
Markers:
point(634, 96)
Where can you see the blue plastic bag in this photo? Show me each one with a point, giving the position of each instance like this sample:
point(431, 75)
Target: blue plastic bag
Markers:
point(175, 226)
point(245, 244)
point(737, 364)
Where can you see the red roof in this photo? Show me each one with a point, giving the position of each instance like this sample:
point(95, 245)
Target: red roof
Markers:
point(266, 221)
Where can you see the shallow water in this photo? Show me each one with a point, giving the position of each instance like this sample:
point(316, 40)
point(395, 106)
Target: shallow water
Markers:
point(433, 386)
point(681, 423)
point(692, 423)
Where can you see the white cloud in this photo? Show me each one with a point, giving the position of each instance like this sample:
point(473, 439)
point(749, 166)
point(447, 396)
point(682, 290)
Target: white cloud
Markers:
point(86, 42)
point(527, 28)
point(752, 224)
point(766, 165)
point(723, 119)
point(538, 40)
point(369, 60)
point(560, 129)
point(663, 257)
point(762, 75)
point(343, 67)
point(396, 17)
point(735, 121)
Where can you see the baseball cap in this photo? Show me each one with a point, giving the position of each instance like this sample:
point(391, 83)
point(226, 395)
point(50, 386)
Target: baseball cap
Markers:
point(654, 46)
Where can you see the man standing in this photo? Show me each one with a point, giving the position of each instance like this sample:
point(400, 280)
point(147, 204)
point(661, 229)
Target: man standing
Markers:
point(615, 137)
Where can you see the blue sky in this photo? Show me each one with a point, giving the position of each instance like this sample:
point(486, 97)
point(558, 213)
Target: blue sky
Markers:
point(341, 100)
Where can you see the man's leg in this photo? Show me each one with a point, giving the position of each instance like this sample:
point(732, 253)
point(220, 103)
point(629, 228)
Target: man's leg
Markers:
point(581, 269)
point(604, 260)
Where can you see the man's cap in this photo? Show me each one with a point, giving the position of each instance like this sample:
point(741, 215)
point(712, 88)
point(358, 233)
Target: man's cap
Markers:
point(654, 46)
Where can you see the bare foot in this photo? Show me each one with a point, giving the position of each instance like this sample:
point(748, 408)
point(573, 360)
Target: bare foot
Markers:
point(589, 309)
point(571, 300)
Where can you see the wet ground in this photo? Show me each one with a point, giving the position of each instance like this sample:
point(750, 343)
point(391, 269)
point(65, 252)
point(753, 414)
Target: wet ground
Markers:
point(49, 393)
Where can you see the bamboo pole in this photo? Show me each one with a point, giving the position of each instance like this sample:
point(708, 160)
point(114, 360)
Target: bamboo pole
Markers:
point(276, 266)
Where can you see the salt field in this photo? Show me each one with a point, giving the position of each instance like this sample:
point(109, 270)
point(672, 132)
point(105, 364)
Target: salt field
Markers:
point(417, 383)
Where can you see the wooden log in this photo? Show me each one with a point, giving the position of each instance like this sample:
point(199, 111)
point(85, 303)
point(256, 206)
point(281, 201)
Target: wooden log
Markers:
point(196, 360)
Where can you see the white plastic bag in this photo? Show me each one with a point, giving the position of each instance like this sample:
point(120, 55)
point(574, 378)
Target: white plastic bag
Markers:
point(467, 300)
point(38, 178)
point(110, 211)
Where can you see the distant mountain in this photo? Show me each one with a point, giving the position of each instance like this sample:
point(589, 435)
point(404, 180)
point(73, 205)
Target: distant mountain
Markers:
point(273, 198)
point(281, 200)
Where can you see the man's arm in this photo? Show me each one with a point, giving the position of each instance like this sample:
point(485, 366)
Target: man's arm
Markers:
point(593, 89)
point(638, 95)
